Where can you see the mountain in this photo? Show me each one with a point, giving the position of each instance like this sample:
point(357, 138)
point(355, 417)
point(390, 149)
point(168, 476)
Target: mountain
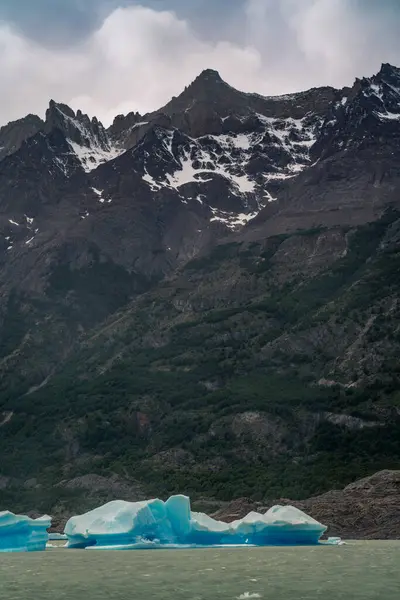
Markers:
point(15, 133)
point(203, 298)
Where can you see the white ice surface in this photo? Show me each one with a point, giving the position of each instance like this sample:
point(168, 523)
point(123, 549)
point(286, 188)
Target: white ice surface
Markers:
point(154, 524)
point(19, 533)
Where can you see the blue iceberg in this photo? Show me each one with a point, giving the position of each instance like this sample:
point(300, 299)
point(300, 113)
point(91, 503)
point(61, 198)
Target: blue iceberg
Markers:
point(171, 524)
point(57, 536)
point(19, 533)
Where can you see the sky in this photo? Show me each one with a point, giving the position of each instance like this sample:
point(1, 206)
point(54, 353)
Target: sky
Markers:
point(109, 57)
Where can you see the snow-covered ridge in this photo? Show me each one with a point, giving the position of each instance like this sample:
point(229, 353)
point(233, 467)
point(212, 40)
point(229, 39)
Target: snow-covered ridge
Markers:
point(232, 220)
point(87, 138)
point(282, 145)
point(93, 156)
point(386, 96)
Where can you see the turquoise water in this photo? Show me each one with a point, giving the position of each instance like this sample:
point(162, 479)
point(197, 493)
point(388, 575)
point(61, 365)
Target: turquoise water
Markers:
point(357, 571)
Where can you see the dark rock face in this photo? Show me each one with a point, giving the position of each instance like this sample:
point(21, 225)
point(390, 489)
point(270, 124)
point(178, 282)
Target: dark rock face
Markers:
point(203, 107)
point(224, 235)
point(14, 134)
point(77, 128)
point(365, 510)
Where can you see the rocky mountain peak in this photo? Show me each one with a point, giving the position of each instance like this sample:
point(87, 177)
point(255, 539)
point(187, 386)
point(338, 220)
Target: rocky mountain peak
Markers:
point(13, 135)
point(358, 115)
point(57, 107)
point(388, 70)
point(127, 130)
point(78, 128)
point(258, 228)
point(208, 79)
point(209, 88)
point(87, 137)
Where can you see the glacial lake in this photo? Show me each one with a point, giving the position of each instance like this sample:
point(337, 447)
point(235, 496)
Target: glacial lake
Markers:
point(356, 571)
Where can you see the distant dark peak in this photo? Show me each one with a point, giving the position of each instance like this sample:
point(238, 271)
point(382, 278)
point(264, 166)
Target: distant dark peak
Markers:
point(78, 128)
point(208, 78)
point(208, 86)
point(57, 110)
point(389, 75)
point(210, 74)
point(131, 115)
point(30, 119)
point(388, 69)
point(13, 135)
point(64, 108)
point(129, 119)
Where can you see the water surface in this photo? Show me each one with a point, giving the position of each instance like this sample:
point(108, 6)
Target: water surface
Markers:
point(357, 571)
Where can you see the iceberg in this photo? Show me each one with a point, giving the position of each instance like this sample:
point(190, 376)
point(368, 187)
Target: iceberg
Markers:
point(57, 536)
point(171, 524)
point(19, 533)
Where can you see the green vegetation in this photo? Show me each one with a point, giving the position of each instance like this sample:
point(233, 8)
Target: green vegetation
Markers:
point(180, 378)
point(93, 292)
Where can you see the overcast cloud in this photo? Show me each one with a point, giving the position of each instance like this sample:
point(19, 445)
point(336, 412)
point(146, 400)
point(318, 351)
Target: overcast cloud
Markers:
point(108, 56)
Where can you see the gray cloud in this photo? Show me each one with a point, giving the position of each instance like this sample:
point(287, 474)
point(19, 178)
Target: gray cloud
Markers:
point(65, 22)
point(52, 21)
point(136, 58)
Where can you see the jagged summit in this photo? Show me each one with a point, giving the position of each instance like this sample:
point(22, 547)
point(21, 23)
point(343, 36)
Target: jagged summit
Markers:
point(209, 78)
point(78, 128)
point(60, 107)
point(209, 73)
point(389, 69)
point(15, 133)
point(87, 137)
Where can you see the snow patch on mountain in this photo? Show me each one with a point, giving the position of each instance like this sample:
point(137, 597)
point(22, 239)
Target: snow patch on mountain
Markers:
point(389, 116)
point(202, 169)
point(99, 193)
point(253, 163)
point(231, 220)
point(62, 164)
point(91, 157)
point(87, 137)
point(376, 90)
point(151, 181)
point(296, 136)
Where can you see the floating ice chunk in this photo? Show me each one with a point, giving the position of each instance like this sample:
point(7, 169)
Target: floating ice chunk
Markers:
point(335, 541)
point(155, 524)
point(57, 536)
point(19, 533)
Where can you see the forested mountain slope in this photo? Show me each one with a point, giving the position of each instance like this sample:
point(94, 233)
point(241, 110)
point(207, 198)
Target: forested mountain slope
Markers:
point(204, 299)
